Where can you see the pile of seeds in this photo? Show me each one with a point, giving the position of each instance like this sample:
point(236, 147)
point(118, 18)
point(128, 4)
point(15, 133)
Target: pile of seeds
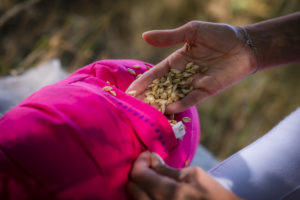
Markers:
point(171, 87)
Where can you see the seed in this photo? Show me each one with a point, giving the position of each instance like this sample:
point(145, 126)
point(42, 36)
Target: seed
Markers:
point(138, 76)
point(174, 87)
point(196, 67)
point(181, 95)
point(148, 67)
point(113, 93)
point(154, 88)
point(204, 69)
point(172, 122)
point(177, 80)
point(163, 108)
point(189, 80)
point(131, 71)
point(184, 91)
point(186, 119)
point(172, 116)
point(189, 65)
point(107, 82)
point(136, 66)
point(132, 93)
point(178, 75)
point(186, 74)
point(169, 101)
point(107, 88)
point(182, 83)
point(149, 99)
point(164, 96)
point(175, 71)
point(160, 90)
point(162, 79)
point(155, 81)
point(151, 85)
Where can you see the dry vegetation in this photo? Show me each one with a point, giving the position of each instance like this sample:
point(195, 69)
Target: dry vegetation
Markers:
point(79, 32)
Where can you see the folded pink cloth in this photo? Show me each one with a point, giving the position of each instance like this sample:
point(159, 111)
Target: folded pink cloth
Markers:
point(73, 140)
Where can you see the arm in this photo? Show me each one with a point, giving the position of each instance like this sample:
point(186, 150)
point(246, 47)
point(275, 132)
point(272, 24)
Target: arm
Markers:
point(223, 49)
point(277, 40)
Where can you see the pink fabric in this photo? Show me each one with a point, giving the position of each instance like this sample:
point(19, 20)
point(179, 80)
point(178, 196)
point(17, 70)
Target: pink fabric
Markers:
point(72, 140)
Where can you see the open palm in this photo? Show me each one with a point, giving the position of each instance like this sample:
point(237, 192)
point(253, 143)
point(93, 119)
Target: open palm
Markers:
point(220, 48)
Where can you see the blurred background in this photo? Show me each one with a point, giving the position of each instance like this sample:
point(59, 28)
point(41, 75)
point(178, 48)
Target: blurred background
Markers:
point(78, 32)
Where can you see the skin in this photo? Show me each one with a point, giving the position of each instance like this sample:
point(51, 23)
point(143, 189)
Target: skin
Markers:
point(222, 48)
point(153, 179)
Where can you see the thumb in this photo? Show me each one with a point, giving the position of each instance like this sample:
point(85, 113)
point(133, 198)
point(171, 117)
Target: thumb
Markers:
point(164, 38)
point(158, 165)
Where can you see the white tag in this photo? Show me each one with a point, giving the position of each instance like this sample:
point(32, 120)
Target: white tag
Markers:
point(179, 130)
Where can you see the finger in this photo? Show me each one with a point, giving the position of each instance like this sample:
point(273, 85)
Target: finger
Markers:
point(142, 163)
point(140, 85)
point(160, 167)
point(176, 60)
point(164, 38)
point(154, 184)
point(192, 175)
point(136, 192)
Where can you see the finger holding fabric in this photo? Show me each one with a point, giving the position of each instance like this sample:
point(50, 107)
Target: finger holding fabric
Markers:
point(153, 179)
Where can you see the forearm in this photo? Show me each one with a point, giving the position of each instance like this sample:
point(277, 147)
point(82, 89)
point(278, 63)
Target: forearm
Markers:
point(277, 41)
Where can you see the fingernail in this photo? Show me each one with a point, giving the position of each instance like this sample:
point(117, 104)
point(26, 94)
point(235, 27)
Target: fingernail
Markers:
point(156, 160)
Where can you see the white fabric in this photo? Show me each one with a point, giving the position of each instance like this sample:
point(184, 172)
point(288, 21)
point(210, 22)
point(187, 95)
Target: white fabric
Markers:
point(268, 168)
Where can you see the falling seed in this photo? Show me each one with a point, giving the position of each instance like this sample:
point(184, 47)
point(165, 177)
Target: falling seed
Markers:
point(107, 82)
point(138, 76)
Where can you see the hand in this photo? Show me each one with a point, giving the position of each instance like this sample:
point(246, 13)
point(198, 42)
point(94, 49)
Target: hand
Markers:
point(220, 47)
point(152, 179)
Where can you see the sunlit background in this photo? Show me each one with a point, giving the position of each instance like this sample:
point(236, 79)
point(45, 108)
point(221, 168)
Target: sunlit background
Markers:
point(79, 32)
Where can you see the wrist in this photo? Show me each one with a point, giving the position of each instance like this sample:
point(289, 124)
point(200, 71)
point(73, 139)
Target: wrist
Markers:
point(277, 40)
point(250, 48)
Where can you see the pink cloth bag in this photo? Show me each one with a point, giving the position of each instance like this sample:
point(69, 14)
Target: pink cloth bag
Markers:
point(72, 140)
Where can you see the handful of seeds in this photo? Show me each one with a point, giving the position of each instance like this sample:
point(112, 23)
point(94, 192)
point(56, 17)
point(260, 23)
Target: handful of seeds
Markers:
point(171, 87)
